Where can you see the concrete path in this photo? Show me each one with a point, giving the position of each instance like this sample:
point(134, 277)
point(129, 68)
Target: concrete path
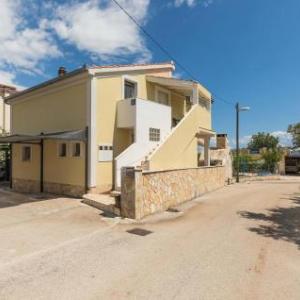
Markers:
point(240, 242)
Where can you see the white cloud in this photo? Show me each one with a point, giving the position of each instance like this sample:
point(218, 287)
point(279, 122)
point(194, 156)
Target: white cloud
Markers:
point(9, 78)
point(22, 46)
point(191, 3)
point(187, 2)
point(244, 140)
point(102, 29)
point(285, 138)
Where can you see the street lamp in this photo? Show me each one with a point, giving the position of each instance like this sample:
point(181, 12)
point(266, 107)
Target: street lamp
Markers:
point(238, 110)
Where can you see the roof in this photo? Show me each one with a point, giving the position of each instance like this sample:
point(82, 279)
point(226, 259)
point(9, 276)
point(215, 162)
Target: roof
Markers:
point(132, 65)
point(104, 68)
point(179, 84)
point(75, 135)
point(7, 86)
point(46, 83)
point(4, 89)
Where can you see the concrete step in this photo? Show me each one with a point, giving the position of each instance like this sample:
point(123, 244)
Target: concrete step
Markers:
point(103, 202)
point(115, 193)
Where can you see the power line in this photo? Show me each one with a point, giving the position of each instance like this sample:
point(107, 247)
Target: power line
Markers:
point(223, 100)
point(164, 50)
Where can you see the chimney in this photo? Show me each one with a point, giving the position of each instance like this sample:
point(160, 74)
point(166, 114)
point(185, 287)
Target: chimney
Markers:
point(62, 71)
point(222, 141)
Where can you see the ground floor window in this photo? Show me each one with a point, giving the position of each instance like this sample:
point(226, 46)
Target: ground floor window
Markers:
point(62, 149)
point(76, 149)
point(105, 153)
point(154, 134)
point(26, 153)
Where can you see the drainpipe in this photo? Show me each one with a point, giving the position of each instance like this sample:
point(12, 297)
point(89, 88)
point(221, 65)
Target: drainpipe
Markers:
point(10, 166)
point(42, 165)
point(86, 166)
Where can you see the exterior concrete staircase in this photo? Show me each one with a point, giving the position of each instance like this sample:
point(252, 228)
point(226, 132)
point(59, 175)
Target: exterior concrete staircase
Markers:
point(145, 162)
point(108, 203)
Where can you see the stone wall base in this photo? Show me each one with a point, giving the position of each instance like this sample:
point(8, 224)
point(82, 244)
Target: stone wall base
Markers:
point(64, 189)
point(26, 185)
point(100, 189)
point(145, 193)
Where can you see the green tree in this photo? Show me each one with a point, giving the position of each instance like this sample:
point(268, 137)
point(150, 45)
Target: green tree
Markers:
point(294, 130)
point(271, 158)
point(263, 140)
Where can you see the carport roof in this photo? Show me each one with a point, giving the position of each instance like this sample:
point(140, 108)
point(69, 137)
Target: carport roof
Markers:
point(76, 135)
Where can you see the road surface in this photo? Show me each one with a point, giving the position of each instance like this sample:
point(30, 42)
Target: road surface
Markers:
point(240, 242)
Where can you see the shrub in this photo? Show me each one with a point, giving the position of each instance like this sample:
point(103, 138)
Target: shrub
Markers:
point(271, 158)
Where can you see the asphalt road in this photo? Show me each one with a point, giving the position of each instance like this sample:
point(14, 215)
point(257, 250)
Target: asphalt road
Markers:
point(240, 242)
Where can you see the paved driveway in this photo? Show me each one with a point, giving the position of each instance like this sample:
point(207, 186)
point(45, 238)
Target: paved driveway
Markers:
point(241, 242)
point(30, 224)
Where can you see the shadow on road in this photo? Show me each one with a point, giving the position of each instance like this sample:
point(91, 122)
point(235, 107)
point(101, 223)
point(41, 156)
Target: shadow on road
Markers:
point(9, 198)
point(283, 222)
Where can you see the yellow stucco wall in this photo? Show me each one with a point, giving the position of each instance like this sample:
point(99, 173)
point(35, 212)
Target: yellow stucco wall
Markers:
point(51, 111)
point(63, 170)
point(29, 170)
point(54, 108)
point(66, 170)
point(180, 148)
point(178, 106)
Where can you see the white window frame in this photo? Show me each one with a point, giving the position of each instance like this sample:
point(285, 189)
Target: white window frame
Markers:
point(164, 90)
point(132, 80)
point(72, 149)
point(22, 153)
point(58, 149)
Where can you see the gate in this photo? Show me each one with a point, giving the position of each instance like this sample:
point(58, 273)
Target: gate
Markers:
point(5, 162)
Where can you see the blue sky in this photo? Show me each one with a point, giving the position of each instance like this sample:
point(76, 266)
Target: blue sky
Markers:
point(242, 50)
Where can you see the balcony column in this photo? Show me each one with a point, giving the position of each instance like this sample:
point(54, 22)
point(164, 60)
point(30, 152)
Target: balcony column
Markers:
point(206, 151)
point(195, 94)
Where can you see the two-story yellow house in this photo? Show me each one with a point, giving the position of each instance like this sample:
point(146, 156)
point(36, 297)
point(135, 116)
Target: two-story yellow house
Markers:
point(75, 133)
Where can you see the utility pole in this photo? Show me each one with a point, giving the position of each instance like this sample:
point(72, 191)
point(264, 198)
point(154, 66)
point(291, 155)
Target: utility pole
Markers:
point(237, 108)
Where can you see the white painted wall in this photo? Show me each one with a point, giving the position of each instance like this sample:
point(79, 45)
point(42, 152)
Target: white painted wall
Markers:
point(151, 114)
point(4, 116)
point(141, 116)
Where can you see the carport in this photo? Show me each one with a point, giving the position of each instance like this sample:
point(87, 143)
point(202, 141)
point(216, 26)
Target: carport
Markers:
point(40, 139)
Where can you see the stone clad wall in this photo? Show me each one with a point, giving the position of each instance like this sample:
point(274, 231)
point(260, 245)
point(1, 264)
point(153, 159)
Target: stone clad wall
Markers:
point(145, 193)
point(224, 157)
point(26, 185)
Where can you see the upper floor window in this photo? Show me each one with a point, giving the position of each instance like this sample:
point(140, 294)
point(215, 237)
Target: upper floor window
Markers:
point(130, 89)
point(163, 96)
point(26, 153)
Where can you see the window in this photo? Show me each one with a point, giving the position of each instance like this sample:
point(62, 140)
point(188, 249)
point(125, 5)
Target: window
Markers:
point(130, 89)
point(162, 96)
point(62, 150)
point(105, 153)
point(76, 150)
point(26, 153)
point(154, 134)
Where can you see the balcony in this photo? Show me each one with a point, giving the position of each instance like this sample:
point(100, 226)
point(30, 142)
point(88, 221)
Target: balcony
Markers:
point(141, 115)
